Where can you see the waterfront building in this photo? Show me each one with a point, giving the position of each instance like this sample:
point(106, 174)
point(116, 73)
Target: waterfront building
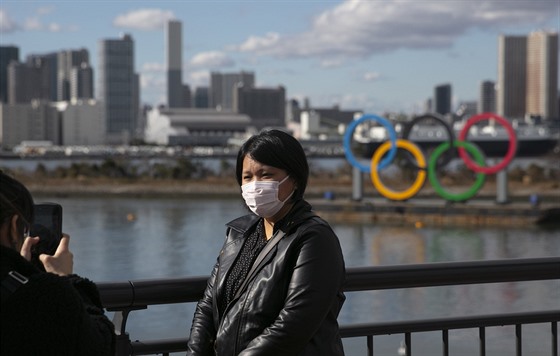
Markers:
point(37, 120)
point(195, 127)
point(222, 87)
point(542, 75)
point(442, 99)
point(83, 122)
point(118, 89)
point(174, 52)
point(265, 106)
point(487, 97)
point(7, 55)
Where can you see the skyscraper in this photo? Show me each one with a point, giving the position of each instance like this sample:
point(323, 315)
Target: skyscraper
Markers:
point(442, 99)
point(223, 85)
point(528, 75)
point(81, 82)
point(7, 55)
point(174, 51)
point(117, 88)
point(66, 61)
point(542, 74)
point(487, 97)
point(512, 68)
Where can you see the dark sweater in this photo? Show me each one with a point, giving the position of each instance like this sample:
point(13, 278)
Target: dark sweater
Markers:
point(51, 315)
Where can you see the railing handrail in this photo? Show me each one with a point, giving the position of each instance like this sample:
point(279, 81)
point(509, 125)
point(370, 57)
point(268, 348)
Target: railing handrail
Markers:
point(151, 347)
point(136, 293)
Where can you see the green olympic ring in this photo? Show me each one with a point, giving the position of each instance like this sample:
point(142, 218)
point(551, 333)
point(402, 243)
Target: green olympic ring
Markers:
point(480, 177)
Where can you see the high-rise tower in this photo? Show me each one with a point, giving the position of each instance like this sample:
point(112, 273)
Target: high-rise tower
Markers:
point(117, 88)
point(487, 97)
point(542, 74)
point(442, 99)
point(173, 50)
point(222, 87)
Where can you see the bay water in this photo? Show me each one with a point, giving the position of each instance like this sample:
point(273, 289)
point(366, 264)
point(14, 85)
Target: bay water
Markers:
point(114, 238)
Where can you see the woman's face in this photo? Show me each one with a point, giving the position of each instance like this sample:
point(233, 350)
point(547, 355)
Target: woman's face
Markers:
point(256, 171)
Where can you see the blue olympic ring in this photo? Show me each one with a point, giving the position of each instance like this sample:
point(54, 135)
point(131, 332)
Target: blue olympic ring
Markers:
point(348, 138)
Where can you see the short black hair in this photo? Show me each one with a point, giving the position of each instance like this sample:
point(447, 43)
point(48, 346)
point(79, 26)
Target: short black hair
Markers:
point(15, 199)
point(278, 149)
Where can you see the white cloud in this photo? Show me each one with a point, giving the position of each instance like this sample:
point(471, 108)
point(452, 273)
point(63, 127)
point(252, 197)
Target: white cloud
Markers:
point(198, 79)
point(7, 25)
point(359, 29)
point(211, 60)
point(371, 76)
point(153, 67)
point(144, 19)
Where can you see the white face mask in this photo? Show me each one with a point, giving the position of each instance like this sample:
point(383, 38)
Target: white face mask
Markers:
point(262, 197)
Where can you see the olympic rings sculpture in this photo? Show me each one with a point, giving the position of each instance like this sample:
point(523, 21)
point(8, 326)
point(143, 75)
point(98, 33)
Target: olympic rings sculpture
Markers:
point(386, 152)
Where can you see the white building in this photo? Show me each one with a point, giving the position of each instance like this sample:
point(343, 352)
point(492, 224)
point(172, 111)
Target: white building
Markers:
point(83, 122)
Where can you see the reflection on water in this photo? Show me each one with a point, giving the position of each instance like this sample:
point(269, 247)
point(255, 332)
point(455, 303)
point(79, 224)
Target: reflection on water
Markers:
point(116, 239)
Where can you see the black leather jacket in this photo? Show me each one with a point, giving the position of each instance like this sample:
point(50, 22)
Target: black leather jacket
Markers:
point(289, 307)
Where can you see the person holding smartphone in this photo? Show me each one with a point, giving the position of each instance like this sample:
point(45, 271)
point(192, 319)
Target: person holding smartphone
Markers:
point(44, 313)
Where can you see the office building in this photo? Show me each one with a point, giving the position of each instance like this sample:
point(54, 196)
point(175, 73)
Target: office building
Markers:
point(81, 82)
point(512, 69)
point(7, 55)
point(442, 99)
point(542, 75)
point(174, 61)
point(201, 98)
point(83, 122)
point(487, 97)
point(265, 106)
point(67, 60)
point(528, 75)
point(37, 120)
point(29, 81)
point(118, 88)
point(222, 87)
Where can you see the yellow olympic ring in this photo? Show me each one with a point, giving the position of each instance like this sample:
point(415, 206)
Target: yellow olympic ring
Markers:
point(420, 178)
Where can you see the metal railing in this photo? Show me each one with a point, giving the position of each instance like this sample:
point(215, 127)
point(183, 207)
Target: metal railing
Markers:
point(125, 297)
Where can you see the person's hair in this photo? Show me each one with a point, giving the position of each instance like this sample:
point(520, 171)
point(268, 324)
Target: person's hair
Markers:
point(15, 199)
point(277, 149)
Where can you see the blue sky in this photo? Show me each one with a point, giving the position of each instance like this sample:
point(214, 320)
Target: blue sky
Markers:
point(374, 55)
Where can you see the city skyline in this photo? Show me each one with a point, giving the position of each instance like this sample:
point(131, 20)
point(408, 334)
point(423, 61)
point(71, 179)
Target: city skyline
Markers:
point(377, 56)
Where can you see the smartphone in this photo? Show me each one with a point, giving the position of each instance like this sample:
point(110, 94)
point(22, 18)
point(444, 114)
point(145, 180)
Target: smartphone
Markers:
point(47, 224)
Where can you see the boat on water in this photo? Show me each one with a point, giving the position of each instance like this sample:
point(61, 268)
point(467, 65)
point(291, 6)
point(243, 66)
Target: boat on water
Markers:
point(492, 138)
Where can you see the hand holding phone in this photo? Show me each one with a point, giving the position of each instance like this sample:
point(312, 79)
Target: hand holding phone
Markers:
point(47, 225)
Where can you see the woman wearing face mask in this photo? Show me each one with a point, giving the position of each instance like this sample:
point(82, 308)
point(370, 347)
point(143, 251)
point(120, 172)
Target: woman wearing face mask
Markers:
point(276, 288)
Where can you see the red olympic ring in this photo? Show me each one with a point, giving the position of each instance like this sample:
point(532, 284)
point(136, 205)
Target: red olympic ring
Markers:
point(512, 146)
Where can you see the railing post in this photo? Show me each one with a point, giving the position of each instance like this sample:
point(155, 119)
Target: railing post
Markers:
point(445, 337)
point(122, 345)
point(408, 344)
point(554, 338)
point(518, 340)
point(370, 345)
point(482, 337)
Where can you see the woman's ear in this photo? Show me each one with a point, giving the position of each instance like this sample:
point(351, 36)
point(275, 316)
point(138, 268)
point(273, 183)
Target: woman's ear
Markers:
point(14, 234)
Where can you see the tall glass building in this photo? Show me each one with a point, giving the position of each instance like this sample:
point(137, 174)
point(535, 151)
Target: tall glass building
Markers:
point(117, 88)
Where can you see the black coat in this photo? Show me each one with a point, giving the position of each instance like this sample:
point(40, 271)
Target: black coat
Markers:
point(51, 315)
point(290, 307)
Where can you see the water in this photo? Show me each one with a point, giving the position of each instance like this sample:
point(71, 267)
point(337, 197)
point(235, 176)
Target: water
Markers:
point(117, 239)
